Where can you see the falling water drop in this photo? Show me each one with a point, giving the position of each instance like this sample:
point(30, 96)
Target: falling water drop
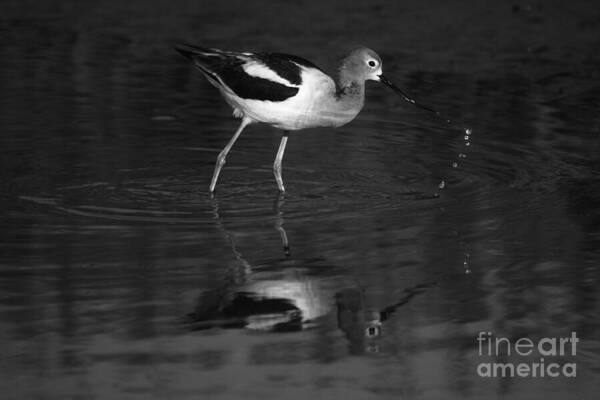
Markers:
point(466, 265)
point(459, 156)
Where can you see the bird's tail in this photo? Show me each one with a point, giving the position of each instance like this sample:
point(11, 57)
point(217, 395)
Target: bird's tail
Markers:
point(210, 61)
point(196, 53)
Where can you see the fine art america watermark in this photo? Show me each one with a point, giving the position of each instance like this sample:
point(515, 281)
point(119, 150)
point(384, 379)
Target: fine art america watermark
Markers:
point(549, 355)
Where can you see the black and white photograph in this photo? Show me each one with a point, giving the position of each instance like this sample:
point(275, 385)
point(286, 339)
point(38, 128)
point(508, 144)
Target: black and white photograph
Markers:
point(299, 200)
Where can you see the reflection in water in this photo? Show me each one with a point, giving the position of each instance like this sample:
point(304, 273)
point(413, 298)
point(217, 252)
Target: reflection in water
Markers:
point(287, 298)
point(108, 239)
point(361, 325)
point(278, 204)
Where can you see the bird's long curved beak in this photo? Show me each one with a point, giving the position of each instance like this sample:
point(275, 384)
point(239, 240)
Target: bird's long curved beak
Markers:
point(401, 93)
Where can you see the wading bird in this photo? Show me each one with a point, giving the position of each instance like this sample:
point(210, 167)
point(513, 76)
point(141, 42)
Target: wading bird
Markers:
point(287, 92)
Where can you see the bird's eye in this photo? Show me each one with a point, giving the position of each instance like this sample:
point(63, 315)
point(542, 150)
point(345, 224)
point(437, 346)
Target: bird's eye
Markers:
point(372, 63)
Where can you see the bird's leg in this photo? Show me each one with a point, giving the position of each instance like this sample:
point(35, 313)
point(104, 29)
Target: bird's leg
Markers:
point(221, 158)
point(277, 163)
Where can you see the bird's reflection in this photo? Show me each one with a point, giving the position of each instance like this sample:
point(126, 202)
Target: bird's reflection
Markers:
point(286, 301)
point(277, 205)
point(285, 296)
point(362, 325)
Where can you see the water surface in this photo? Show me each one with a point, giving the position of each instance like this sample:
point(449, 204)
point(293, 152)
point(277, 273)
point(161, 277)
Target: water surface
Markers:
point(121, 277)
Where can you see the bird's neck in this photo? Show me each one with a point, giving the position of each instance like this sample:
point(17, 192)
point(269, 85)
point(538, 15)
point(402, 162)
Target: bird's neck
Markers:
point(346, 103)
point(347, 84)
point(350, 78)
point(350, 90)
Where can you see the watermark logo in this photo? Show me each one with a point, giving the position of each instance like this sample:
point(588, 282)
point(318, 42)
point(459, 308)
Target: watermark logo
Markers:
point(549, 354)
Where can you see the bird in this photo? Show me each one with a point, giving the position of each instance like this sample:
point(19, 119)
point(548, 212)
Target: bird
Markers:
point(287, 92)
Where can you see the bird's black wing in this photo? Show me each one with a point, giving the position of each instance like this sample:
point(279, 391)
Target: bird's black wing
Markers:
point(227, 69)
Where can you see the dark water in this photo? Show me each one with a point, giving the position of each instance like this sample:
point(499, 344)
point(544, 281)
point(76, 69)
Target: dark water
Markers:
point(120, 277)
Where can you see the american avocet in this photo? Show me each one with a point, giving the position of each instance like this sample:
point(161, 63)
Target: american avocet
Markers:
point(287, 92)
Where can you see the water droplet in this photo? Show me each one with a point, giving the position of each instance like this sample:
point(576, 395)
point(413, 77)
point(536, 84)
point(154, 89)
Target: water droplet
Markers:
point(372, 348)
point(468, 131)
point(466, 264)
point(163, 118)
point(468, 144)
point(442, 184)
point(466, 137)
point(462, 155)
point(454, 164)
